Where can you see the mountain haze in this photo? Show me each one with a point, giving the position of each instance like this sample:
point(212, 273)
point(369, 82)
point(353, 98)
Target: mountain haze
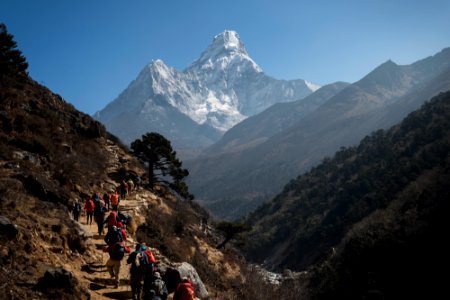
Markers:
point(259, 128)
point(233, 183)
point(218, 90)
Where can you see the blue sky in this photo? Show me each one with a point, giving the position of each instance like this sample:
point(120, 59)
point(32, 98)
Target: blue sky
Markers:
point(89, 51)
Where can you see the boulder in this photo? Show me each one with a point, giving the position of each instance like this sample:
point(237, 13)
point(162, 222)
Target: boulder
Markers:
point(57, 278)
point(7, 229)
point(173, 273)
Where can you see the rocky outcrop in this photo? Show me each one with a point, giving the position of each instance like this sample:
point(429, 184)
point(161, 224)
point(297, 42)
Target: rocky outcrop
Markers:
point(58, 283)
point(7, 229)
point(175, 272)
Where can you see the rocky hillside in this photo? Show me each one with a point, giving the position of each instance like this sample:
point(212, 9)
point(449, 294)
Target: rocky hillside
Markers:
point(52, 154)
point(371, 221)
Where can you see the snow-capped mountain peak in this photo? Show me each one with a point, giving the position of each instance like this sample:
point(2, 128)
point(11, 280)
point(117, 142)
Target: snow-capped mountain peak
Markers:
point(313, 87)
point(225, 51)
point(217, 91)
point(229, 40)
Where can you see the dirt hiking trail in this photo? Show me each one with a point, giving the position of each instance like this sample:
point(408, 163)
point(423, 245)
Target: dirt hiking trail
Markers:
point(94, 272)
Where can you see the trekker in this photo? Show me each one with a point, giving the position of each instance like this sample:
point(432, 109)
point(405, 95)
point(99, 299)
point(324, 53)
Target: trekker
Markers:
point(185, 290)
point(123, 189)
point(122, 231)
point(130, 184)
point(148, 272)
point(113, 236)
point(76, 210)
point(114, 198)
point(116, 253)
point(89, 207)
point(111, 220)
point(138, 260)
point(158, 288)
point(138, 182)
point(106, 199)
point(121, 217)
point(99, 214)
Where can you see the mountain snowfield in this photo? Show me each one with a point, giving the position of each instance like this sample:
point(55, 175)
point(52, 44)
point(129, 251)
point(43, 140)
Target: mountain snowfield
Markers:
point(220, 89)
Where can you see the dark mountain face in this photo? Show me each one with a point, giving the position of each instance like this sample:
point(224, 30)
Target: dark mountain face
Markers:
point(372, 218)
point(232, 183)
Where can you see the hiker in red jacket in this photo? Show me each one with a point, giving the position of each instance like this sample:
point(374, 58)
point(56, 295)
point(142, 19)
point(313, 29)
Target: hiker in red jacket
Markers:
point(111, 220)
point(185, 290)
point(89, 207)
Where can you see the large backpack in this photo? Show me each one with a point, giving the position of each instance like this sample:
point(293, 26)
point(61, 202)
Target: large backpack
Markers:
point(122, 218)
point(160, 288)
point(77, 207)
point(113, 237)
point(117, 252)
point(143, 263)
point(99, 209)
point(106, 197)
point(185, 291)
point(114, 199)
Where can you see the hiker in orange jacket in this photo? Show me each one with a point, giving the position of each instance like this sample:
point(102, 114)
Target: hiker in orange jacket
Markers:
point(114, 199)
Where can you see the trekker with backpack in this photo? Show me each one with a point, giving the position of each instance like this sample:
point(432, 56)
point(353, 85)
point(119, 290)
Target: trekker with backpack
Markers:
point(122, 231)
point(123, 189)
point(121, 217)
point(116, 253)
point(158, 288)
point(139, 263)
point(130, 184)
point(106, 198)
point(114, 199)
point(111, 220)
point(76, 210)
point(99, 214)
point(113, 236)
point(89, 207)
point(137, 184)
point(185, 290)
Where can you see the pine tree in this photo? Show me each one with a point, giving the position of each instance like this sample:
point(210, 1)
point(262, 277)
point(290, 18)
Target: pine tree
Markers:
point(230, 231)
point(155, 151)
point(12, 62)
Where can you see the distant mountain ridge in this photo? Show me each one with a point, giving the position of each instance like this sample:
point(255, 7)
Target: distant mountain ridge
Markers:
point(371, 219)
point(218, 90)
point(235, 182)
point(280, 116)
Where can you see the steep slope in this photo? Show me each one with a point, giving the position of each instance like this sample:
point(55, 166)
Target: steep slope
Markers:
point(371, 220)
point(52, 154)
point(220, 89)
point(232, 184)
